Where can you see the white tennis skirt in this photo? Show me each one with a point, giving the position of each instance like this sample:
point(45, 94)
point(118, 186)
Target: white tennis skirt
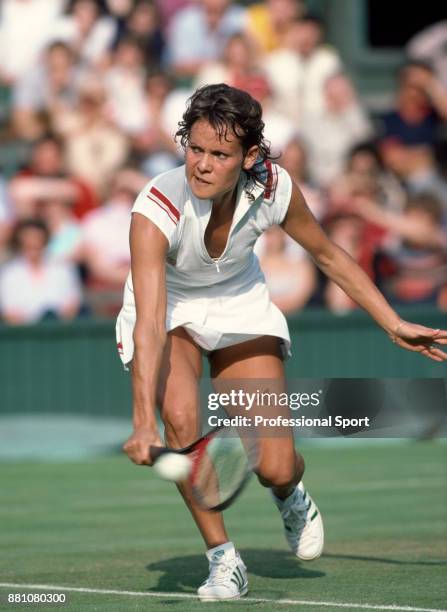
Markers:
point(213, 320)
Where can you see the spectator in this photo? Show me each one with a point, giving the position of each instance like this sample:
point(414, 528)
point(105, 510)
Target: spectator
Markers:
point(237, 68)
point(411, 130)
point(299, 68)
point(346, 231)
point(290, 277)
point(46, 92)
point(105, 248)
point(294, 160)
point(46, 177)
point(143, 25)
point(421, 106)
point(364, 163)
point(87, 32)
point(21, 42)
point(124, 87)
point(169, 8)
point(33, 286)
point(346, 225)
point(268, 22)
point(416, 246)
point(154, 145)
point(95, 148)
point(65, 230)
point(172, 112)
point(279, 130)
point(430, 46)
point(331, 132)
point(197, 34)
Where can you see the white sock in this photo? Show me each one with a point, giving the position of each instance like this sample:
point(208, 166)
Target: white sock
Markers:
point(224, 547)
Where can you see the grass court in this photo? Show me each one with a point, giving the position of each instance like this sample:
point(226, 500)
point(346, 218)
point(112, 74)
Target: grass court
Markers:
point(106, 525)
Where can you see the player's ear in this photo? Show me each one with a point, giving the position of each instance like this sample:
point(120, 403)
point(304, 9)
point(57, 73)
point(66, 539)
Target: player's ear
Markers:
point(250, 157)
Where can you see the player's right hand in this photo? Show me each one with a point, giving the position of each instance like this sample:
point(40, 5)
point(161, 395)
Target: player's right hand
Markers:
point(137, 446)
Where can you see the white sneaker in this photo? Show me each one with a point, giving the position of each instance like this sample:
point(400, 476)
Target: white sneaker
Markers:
point(303, 525)
point(228, 575)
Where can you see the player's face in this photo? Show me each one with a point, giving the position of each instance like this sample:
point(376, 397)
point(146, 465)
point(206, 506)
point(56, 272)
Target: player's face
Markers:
point(213, 164)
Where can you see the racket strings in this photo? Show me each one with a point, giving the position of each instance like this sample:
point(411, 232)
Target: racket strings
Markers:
point(221, 469)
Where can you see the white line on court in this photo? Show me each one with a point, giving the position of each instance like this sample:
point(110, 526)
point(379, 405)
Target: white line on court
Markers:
point(160, 595)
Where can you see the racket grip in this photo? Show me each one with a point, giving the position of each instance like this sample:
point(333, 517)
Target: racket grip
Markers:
point(156, 452)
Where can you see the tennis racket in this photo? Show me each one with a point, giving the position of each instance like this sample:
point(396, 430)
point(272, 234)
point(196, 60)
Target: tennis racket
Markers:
point(222, 463)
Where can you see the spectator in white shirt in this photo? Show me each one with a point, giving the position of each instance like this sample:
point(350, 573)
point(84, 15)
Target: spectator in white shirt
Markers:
point(124, 84)
point(26, 27)
point(299, 69)
point(33, 286)
point(332, 132)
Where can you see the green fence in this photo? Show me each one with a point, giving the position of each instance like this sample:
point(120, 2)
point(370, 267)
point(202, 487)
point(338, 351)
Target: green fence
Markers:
point(74, 368)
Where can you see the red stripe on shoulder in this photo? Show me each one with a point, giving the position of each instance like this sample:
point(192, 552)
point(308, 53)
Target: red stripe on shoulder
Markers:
point(164, 208)
point(161, 196)
point(269, 182)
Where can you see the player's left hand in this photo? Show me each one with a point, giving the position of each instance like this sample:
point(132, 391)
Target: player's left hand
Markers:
point(420, 339)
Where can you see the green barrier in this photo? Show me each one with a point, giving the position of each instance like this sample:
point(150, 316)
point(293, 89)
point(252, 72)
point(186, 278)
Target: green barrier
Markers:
point(63, 368)
point(353, 346)
point(74, 368)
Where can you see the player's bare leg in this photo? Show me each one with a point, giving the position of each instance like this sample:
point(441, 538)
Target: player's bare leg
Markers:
point(280, 467)
point(178, 396)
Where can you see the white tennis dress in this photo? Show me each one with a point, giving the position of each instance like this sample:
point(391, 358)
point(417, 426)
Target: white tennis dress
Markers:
point(223, 301)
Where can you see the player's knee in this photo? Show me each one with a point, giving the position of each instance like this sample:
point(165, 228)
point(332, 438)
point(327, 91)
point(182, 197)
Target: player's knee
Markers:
point(180, 425)
point(283, 472)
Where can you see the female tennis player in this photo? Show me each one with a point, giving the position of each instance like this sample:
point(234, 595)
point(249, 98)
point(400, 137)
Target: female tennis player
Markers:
point(196, 286)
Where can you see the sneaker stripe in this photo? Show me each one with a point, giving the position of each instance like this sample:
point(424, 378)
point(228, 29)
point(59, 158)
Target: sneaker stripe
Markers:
point(238, 577)
point(314, 515)
point(309, 505)
point(239, 573)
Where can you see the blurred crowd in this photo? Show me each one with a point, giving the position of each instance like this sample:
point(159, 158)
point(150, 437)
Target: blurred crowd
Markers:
point(90, 95)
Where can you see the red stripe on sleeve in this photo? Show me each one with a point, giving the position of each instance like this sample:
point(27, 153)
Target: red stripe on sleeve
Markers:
point(161, 196)
point(164, 208)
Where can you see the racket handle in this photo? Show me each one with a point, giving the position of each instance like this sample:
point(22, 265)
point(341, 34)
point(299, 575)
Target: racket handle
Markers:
point(156, 451)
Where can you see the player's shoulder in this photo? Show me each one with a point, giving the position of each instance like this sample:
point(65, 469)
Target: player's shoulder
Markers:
point(168, 191)
point(275, 181)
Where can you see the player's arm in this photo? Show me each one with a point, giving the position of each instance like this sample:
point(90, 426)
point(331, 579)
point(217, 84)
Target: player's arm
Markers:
point(301, 225)
point(148, 247)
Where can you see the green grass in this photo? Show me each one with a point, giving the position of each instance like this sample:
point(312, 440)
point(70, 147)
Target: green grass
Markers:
point(106, 524)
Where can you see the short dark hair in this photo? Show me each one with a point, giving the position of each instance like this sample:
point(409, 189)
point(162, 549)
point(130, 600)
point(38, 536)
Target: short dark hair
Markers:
point(369, 147)
point(25, 224)
point(227, 108)
point(60, 45)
